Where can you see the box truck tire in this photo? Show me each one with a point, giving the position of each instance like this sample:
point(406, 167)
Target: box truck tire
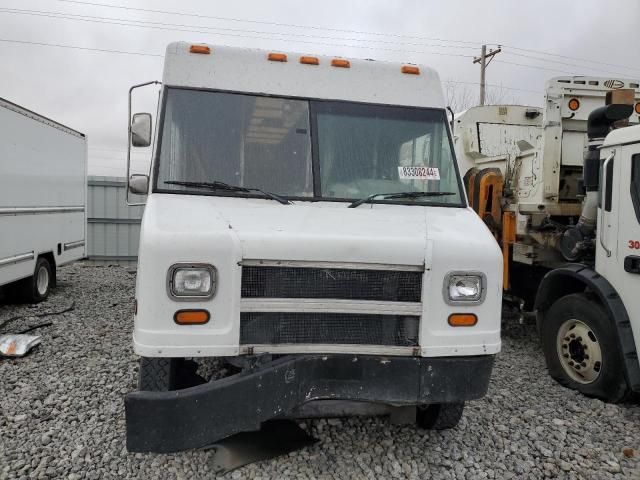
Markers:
point(36, 288)
point(439, 416)
point(582, 349)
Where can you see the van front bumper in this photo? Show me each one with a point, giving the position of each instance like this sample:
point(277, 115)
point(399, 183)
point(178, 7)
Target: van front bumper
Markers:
point(198, 416)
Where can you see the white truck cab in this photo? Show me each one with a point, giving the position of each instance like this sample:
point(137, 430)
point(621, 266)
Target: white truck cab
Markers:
point(305, 223)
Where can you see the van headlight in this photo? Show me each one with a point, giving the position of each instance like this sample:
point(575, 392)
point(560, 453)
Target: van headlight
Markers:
point(464, 288)
point(191, 281)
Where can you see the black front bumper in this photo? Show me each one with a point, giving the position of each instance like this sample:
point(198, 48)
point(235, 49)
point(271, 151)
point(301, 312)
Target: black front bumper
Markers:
point(194, 417)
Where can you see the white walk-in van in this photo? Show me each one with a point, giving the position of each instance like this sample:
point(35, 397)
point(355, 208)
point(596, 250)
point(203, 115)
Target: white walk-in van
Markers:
point(306, 226)
point(43, 184)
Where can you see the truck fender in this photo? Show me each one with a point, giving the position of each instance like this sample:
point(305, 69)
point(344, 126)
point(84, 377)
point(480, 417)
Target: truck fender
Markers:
point(574, 278)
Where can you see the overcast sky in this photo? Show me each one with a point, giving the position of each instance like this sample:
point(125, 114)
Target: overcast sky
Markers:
point(87, 90)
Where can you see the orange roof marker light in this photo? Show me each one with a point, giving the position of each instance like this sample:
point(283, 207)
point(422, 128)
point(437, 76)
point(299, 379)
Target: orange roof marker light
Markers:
point(191, 317)
point(410, 69)
point(200, 49)
point(309, 60)
point(277, 57)
point(340, 62)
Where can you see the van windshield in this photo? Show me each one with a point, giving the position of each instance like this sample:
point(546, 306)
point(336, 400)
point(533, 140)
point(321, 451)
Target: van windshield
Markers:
point(304, 149)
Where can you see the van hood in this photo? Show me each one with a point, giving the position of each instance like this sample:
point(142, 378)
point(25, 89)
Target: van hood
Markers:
point(321, 231)
point(304, 231)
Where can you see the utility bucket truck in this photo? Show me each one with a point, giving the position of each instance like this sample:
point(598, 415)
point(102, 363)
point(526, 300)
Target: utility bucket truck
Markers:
point(306, 226)
point(558, 186)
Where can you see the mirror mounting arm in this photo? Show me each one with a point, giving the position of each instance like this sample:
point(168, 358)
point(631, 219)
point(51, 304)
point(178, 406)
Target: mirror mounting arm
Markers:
point(154, 82)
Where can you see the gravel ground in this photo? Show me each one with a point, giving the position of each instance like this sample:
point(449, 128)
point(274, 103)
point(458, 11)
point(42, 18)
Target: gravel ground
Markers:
point(62, 415)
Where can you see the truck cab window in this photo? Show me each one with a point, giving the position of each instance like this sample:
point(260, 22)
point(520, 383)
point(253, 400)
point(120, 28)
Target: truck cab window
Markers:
point(265, 142)
point(362, 147)
point(243, 140)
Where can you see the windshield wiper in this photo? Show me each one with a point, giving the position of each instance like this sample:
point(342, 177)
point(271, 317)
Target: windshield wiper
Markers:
point(230, 188)
point(357, 203)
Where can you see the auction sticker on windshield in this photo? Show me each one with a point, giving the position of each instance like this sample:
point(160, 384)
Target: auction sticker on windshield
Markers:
point(418, 173)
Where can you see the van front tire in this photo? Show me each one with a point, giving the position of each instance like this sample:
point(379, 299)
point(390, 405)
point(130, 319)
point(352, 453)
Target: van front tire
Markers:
point(157, 374)
point(439, 416)
point(164, 374)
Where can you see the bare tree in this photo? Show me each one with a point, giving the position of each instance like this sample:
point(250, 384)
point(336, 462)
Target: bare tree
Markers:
point(499, 95)
point(459, 96)
point(462, 96)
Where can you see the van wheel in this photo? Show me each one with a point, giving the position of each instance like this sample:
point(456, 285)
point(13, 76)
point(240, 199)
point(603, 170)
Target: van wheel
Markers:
point(35, 289)
point(164, 374)
point(582, 350)
point(439, 416)
point(157, 374)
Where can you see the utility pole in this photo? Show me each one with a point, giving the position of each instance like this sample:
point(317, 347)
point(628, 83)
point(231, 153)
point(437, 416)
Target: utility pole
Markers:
point(484, 60)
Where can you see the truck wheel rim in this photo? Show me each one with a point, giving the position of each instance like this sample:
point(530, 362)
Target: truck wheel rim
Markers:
point(42, 281)
point(579, 351)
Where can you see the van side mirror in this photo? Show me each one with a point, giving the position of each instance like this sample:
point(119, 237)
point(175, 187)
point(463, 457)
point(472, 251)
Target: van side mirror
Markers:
point(139, 184)
point(141, 130)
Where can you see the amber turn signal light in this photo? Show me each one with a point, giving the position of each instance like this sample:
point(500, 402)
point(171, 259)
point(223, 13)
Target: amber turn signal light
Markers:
point(309, 60)
point(410, 69)
point(277, 57)
point(462, 319)
point(341, 63)
point(574, 104)
point(200, 49)
point(191, 317)
point(637, 108)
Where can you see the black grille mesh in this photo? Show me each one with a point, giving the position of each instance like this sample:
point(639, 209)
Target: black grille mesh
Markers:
point(348, 284)
point(328, 328)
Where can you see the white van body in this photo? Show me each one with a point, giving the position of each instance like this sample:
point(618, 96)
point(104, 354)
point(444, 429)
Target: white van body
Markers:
point(274, 264)
point(43, 171)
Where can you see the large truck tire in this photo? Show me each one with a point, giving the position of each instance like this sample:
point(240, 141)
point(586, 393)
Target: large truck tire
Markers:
point(582, 350)
point(157, 374)
point(439, 416)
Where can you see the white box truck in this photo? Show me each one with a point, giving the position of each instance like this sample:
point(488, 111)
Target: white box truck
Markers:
point(559, 186)
point(307, 226)
point(43, 185)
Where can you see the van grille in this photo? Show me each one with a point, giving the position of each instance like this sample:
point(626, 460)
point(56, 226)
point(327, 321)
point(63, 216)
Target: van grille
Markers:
point(328, 329)
point(334, 283)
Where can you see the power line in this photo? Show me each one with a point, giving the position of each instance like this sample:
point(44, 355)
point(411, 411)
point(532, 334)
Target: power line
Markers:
point(331, 29)
point(587, 67)
point(260, 22)
point(75, 47)
point(537, 67)
point(216, 30)
point(105, 20)
point(494, 85)
point(540, 67)
point(569, 58)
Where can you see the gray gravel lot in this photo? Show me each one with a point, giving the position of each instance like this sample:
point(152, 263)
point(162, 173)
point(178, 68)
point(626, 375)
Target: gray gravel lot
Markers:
point(62, 415)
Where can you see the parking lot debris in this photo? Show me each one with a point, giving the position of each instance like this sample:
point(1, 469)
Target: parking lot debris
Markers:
point(38, 315)
point(274, 439)
point(17, 345)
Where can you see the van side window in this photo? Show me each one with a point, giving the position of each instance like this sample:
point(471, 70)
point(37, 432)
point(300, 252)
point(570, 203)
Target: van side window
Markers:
point(635, 183)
